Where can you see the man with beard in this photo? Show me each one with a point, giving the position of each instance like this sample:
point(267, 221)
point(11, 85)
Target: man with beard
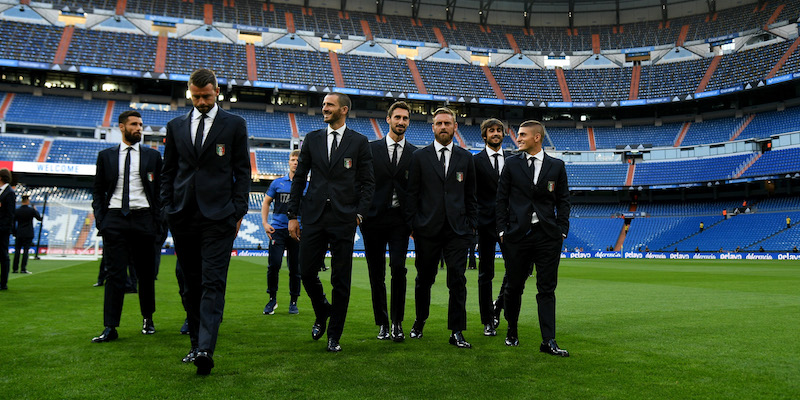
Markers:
point(442, 211)
point(339, 194)
point(127, 213)
point(488, 166)
point(206, 181)
point(533, 221)
point(385, 223)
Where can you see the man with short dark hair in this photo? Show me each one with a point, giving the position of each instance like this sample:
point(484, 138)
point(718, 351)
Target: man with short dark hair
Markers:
point(127, 213)
point(8, 203)
point(533, 221)
point(279, 241)
point(205, 185)
point(338, 198)
point(489, 164)
point(23, 233)
point(442, 212)
point(385, 224)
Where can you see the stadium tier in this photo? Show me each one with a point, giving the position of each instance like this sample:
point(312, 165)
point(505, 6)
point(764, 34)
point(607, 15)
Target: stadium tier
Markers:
point(539, 38)
point(593, 227)
point(20, 147)
point(596, 174)
point(696, 170)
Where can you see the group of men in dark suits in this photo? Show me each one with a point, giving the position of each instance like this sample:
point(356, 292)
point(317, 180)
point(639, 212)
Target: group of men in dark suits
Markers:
point(200, 190)
point(442, 196)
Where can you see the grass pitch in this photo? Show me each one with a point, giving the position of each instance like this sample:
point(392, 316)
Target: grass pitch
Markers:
point(634, 329)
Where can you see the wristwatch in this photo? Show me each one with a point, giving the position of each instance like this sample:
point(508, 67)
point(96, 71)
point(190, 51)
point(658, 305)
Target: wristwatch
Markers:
point(291, 215)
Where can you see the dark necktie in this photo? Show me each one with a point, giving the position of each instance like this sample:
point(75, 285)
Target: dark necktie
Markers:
point(198, 136)
point(334, 145)
point(533, 168)
point(496, 164)
point(444, 164)
point(126, 184)
point(394, 154)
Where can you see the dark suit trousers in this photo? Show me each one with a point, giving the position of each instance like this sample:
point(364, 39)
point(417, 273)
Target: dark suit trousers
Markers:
point(282, 241)
point(5, 262)
point(128, 239)
point(487, 238)
point(203, 247)
point(21, 248)
point(545, 253)
point(379, 231)
point(314, 241)
point(430, 250)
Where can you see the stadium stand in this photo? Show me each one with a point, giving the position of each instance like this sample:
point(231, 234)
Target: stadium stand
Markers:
point(743, 230)
point(294, 66)
point(695, 170)
point(776, 162)
point(596, 174)
point(448, 79)
point(29, 42)
point(661, 233)
point(593, 233)
point(609, 138)
point(387, 74)
point(771, 123)
point(19, 147)
point(714, 131)
point(184, 55)
point(56, 111)
point(565, 139)
point(76, 151)
point(101, 49)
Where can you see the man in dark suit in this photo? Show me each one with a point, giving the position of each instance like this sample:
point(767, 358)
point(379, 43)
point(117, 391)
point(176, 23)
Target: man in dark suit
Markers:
point(533, 220)
point(206, 181)
point(8, 203)
point(442, 211)
point(127, 212)
point(338, 197)
point(23, 233)
point(488, 166)
point(385, 224)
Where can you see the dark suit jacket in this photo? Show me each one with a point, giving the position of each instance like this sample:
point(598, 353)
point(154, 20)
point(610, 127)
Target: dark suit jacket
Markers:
point(219, 179)
point(389, 178)
point(8, 204)
point(518, 198)
point(347, 179)
point(487, 188)
point(105, 180)
point(23, 222)
point(434, 199)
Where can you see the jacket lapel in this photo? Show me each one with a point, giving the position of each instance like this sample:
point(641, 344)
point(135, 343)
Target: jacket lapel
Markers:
point(183, 135)
point(546, 163)
point(216, 129)
point(437, 165)
point(344, 143)
point(524, 165)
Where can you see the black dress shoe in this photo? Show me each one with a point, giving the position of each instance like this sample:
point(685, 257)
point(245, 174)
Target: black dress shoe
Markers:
point(185, 327)
point(189, 358)
point(147, 326)
point(384, 333)
point(317, 330)
point(333, 346)
point(108, 335)
point(457, 339)
point(496, 311)
point(489, 330)
point(397, 332)
point(551, 347)
point(203, 362)
point(416, 329)
point(511, 338)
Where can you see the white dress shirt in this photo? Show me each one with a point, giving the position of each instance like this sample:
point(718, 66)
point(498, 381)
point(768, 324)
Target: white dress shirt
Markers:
point(500, 160)
point(538, 158)
point(137, 198)
point(339, 135)
point(390, 146)
point(447, 154)
point(196, 114)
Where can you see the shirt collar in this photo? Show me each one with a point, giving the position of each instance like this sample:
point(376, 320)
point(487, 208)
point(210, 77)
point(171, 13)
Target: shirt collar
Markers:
point(340, 130)
point(211, 113)
point(390, 142)
point(539, 156)
point(2, 188)
point(438, 146)
point(491, 152)
point(134, 147)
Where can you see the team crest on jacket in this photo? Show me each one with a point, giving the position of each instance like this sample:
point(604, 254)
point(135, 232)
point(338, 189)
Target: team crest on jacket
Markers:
point(150, 176)
point(348, 163)
point(460, 176)
point(221, 150)
point(551, 186)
